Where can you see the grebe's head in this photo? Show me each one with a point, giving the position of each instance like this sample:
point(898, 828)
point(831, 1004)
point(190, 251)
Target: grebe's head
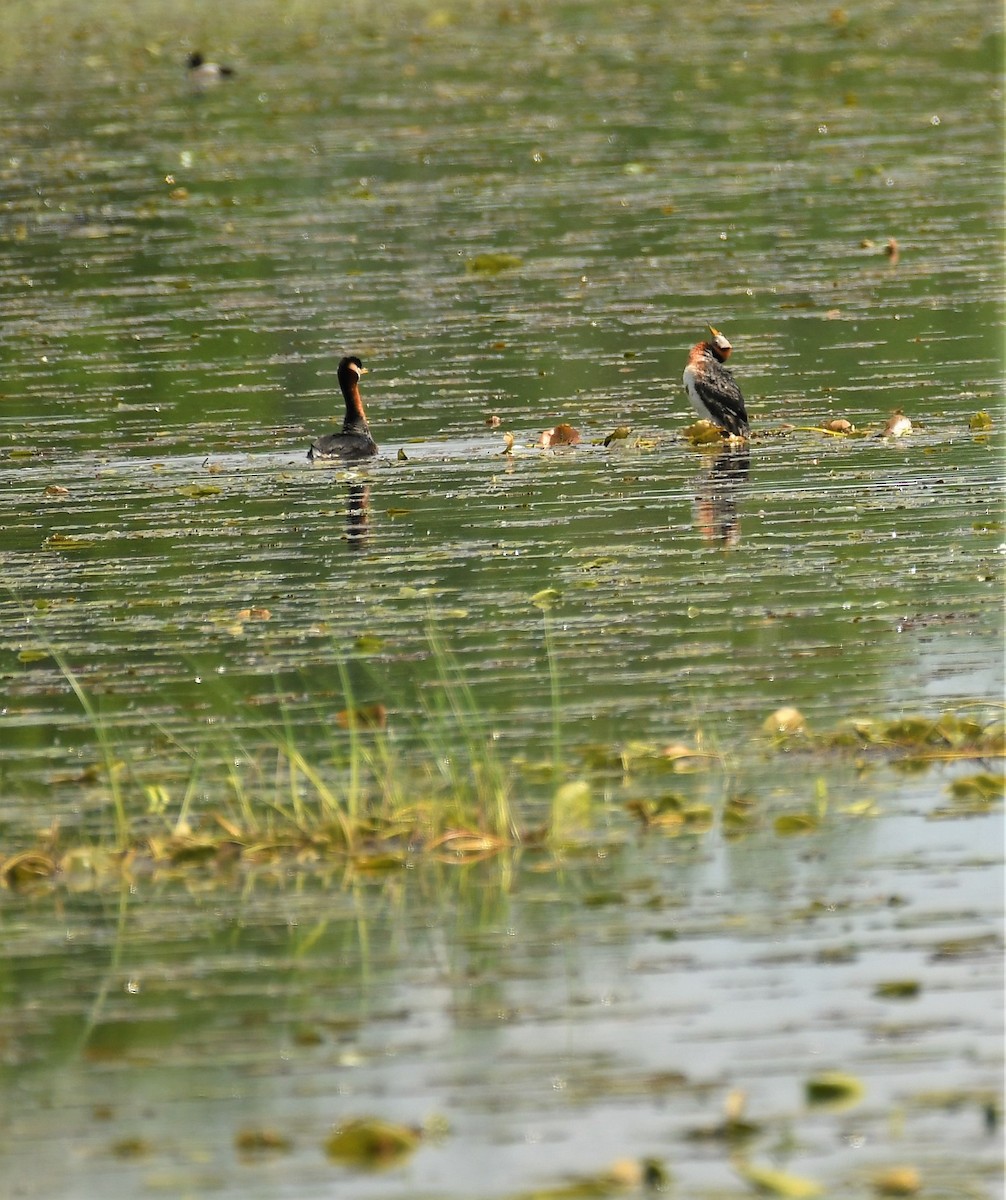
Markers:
point(719, 345)
point(351, 367)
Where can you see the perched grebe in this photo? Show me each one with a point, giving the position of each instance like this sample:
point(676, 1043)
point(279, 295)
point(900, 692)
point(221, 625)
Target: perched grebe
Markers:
point(354, 441)
point(711, 387)
point(203, 74)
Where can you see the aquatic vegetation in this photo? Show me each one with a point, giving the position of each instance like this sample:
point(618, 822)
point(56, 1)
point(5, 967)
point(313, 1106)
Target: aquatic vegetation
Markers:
point(833, 1089)
point(770, 1182)
point(370, 1143)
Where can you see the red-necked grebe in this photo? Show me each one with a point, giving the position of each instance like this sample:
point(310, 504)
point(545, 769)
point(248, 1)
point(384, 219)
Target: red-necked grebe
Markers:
point(354, 441)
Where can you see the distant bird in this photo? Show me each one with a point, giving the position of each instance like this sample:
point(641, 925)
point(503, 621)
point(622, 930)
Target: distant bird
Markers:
point(711, 387)
point(355, 440)
point(203, 74)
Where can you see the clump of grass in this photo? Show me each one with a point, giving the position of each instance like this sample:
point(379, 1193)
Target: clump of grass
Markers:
point(375, 798)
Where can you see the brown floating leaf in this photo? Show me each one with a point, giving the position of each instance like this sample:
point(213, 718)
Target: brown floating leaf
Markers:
point(57, 492)
point(507, 444)
point(494, 420)
point(131, 1147)
point(261, 1141)
point(367, 716)
point(898, 425)
point(892, 251)
point(254, 614)
point(561, 435)
point(839, 425)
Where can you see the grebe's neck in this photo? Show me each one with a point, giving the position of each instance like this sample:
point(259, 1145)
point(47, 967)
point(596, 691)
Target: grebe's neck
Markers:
point(356, 417)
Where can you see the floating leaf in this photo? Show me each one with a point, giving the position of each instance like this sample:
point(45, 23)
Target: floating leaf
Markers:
point(401, 456)
point(898, 425)
point(619, 434)
point(570, 808)
point(779, 1183)
point(64, 541)
point(561, 435)
point(546, 599)
point(492, 264)
point(23, 870)
point(838, 425)
point(897, 989)
point(703, 433)
point(368, 643)
point(262, 1141)
point(984, 787)
point(131, 1147)
point(30, 656)
point(980, 422)
point(198, 491)
point(897, 1181)
point(833, 1089)
point(367, 716)
point(786, 720)
point(56, 492)
point(796, 823)
point(254, 614)
point(369, 1142)
point(507, 444)
point(966, 947)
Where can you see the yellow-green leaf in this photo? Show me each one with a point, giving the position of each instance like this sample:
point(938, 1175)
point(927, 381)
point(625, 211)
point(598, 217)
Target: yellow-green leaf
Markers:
point(833, 1089)
point(780, 1183)
point(547, 598)
point(370, 1142)
point(492, 264)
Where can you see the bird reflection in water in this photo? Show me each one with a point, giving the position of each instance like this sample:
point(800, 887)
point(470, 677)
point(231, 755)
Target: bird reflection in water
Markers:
point(358, 515)
point(716, 516)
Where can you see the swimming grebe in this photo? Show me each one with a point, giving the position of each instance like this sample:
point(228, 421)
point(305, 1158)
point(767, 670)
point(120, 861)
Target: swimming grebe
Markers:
point(203, 74)
point(354, 441)
point(711, 387)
